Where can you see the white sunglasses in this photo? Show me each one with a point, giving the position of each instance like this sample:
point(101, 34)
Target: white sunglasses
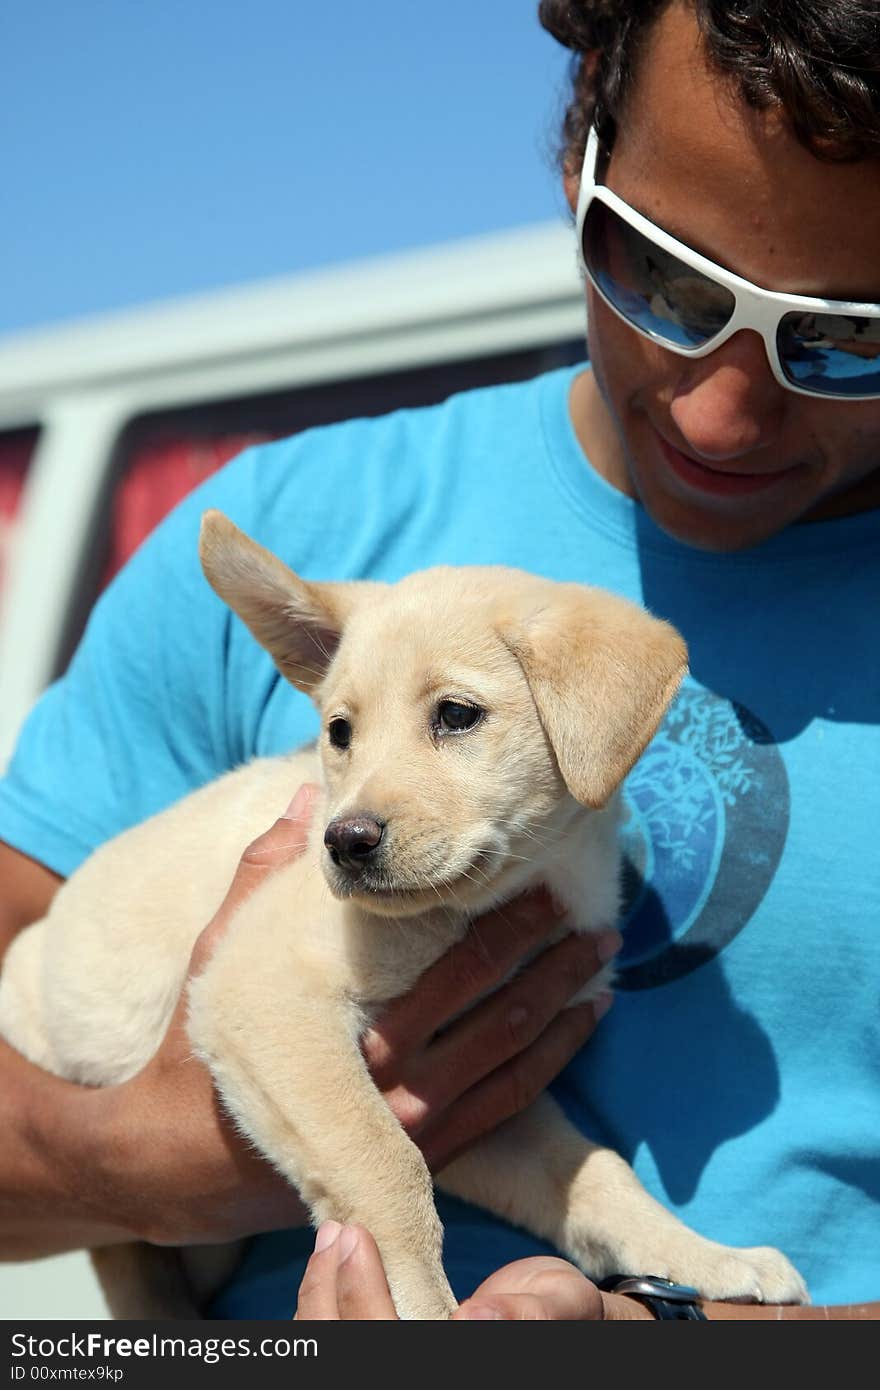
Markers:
point(690, 305)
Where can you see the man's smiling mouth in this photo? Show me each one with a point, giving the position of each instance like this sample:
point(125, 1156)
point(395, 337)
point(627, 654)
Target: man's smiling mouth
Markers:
point(719, 481)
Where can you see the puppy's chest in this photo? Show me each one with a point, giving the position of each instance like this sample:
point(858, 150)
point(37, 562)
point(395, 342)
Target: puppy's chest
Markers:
point(377, 957)
point(385, 957)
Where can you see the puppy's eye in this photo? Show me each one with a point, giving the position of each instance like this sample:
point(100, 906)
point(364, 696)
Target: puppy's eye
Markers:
point(454, 717)
point(340, 733)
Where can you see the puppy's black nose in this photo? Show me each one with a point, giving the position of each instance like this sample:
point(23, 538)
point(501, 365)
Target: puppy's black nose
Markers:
point(352, 840)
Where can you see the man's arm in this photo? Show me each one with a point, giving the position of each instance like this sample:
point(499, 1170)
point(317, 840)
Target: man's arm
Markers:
point(40, 1212)
point(28, 889)
point(82, 1167)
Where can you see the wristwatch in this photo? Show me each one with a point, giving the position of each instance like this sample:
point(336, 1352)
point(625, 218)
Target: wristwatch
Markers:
point(665, 1299)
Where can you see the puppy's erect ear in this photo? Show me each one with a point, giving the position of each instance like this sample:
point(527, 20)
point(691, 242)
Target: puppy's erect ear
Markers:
point(602, 673)
point(299, 623)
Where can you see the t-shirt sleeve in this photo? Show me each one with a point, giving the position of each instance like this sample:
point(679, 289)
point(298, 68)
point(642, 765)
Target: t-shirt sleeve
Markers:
point(138, 720)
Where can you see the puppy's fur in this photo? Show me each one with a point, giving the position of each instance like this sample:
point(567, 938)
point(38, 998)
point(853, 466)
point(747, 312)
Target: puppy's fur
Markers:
point(572, 684)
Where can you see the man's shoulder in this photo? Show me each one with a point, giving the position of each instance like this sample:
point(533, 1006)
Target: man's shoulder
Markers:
point(433, 425)
point(323, 485)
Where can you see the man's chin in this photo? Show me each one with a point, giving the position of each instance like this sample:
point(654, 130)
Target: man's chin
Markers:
point(719, 537)
point(712, 528)
point(717, 510)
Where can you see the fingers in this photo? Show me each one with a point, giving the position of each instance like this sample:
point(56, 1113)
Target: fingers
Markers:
point(489, 951)
point(535, 1290)
point(517, 1015)
point(495, 1059)
point(509, 1089)
point(526, 1020)
point(344, 1279)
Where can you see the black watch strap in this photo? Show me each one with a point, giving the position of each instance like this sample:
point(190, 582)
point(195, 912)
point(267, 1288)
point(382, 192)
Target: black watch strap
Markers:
point(665, 1299)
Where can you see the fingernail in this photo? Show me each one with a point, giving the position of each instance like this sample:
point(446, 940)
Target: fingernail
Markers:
point(557, 906)
point(300, 803)
point(480, 1312)
point(347, 1242)
point(327, 1233)
point(608, 944)
point(602, 1003)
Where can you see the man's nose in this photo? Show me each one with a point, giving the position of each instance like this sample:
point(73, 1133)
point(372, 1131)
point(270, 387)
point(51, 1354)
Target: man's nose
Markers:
point(729, 403)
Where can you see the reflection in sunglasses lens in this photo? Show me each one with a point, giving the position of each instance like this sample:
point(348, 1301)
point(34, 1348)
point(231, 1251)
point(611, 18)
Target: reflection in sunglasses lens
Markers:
point(836, 354)
point(652, 288)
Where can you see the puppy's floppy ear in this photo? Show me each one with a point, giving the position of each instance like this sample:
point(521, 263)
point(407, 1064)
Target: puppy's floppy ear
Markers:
point(299, 623)
point(602, 673)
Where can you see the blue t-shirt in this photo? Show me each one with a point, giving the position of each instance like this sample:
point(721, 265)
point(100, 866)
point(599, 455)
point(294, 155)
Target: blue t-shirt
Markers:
point(739, 1070)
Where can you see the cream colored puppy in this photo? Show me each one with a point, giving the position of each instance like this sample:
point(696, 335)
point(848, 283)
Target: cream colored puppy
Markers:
point(476, 724)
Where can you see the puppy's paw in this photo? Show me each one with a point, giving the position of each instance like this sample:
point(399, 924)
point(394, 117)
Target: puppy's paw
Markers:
point(725, 1275)
point(759, 1275)
point(667, 1249)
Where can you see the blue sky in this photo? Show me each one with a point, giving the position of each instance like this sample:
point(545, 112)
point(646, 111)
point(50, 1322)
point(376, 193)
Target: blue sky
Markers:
point(166, 147)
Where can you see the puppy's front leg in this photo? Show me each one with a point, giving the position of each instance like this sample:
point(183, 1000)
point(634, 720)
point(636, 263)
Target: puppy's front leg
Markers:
point(290, 1071)
point(539, 1172)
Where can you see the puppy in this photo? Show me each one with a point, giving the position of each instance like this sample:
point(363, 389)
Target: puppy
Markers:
point(476, 724)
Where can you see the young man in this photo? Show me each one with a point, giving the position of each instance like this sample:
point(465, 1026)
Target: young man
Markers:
point(735, 489)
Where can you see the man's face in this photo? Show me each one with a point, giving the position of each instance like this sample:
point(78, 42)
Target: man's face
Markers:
point(735, 185)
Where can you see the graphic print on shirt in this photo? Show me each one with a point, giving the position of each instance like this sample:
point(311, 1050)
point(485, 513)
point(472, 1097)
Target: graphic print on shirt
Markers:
point(708, 817)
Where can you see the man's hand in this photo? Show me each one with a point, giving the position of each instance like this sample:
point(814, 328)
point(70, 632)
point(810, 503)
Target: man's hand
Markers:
point(165, 1163)
point(345, 1280)
point(448, 1085)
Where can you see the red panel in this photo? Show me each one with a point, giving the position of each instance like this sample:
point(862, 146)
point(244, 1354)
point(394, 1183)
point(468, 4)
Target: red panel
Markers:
point(158, 476)
point(15, 456)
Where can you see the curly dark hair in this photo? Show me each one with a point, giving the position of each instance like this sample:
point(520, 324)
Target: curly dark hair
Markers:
point(817, 59)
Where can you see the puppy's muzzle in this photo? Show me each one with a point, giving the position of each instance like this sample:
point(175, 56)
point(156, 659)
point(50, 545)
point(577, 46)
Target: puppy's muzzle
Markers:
point(353, 841)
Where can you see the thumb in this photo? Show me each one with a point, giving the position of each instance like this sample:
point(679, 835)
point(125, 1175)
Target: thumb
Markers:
point(281, 844)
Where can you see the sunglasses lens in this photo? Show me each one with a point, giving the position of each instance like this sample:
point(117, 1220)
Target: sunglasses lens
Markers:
point(831, 354)
point(653, 290)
